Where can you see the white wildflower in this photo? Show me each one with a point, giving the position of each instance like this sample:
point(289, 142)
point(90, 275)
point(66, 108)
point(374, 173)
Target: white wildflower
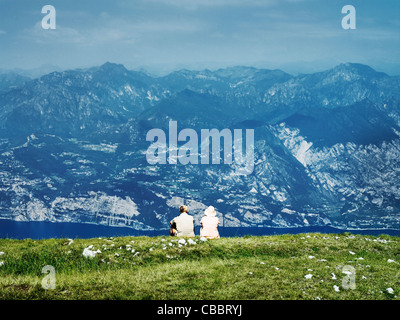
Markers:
point(88, 253)
point(336, 288)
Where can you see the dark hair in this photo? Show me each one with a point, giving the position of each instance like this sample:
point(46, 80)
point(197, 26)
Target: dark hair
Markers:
point(182, 209)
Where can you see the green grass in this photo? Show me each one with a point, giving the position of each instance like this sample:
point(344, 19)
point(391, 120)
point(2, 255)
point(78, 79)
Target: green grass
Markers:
point(269, 267)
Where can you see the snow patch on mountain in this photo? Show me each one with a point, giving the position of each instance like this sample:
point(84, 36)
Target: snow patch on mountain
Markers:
point(297, 144)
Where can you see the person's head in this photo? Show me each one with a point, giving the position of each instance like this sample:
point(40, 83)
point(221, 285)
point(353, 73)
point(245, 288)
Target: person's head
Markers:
point(183, 209)
point(210, 212)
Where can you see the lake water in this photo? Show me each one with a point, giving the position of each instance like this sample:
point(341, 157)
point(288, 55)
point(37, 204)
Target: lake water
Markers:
point(44, 230)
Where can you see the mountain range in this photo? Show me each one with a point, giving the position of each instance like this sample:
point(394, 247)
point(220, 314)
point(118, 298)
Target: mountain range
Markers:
point(327, 147)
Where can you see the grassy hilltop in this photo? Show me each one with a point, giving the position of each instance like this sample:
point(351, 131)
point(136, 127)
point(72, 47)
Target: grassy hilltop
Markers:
point(302, 266)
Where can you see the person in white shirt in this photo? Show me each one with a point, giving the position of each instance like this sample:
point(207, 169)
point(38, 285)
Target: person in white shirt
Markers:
point(209, 224)
point(182, 226)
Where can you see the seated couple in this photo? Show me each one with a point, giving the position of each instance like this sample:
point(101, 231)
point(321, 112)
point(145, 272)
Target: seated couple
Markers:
point(183, 226)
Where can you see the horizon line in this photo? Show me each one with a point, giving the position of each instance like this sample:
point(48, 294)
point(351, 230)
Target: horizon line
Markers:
point(40, 71)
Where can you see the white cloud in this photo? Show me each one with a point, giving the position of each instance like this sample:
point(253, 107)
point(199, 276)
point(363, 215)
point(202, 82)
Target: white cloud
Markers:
point(195, 4)
point(59, 35)
point(112, 30)
point(2, 32)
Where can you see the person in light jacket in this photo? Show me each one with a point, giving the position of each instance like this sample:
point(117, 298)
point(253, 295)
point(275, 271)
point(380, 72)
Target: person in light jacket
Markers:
point(209, 224)
point(182, 225)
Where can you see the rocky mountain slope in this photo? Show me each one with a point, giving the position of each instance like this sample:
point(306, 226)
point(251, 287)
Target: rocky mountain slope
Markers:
point(327, 147)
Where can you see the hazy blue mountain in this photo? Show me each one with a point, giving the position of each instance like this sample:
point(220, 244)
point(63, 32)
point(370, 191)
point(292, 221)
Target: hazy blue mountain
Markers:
point(327, 147)
point(362, 123)
point(11, 80)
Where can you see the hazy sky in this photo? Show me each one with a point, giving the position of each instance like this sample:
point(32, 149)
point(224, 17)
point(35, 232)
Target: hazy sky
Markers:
point(161, 35)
